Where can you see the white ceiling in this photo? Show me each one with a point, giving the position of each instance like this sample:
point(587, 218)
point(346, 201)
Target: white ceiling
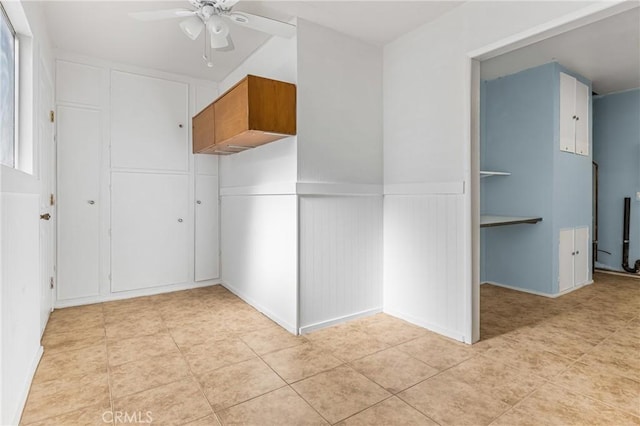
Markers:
point(104, 30)
point(606, 52)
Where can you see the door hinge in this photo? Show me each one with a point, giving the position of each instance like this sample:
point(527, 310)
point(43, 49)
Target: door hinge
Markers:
point(52, 116)
point(51, 283)
point(52, 200)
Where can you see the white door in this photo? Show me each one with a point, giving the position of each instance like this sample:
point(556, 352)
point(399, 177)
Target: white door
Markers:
point(149, 123)
point(206, 228)
point(567, 113)
point(149, 230)
point(47, 175)
point(566, 279)
point(581, 257)
point(582, 118)
point(78, 138)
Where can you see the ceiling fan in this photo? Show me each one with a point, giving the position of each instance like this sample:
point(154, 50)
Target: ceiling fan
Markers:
point(212, 16)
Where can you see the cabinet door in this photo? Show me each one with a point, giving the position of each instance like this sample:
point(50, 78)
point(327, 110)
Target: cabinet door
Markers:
point(567, 113)
point(79, 140)
point(582, 118)
point(581, 257)
point(566, 279)
point(149, 123)
point(207, 232)
point(149, 230)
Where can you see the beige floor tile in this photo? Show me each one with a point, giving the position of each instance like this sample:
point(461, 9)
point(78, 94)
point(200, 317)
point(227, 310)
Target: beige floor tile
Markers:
point(74, 319)
point(147, 373)
point(280, 407)
point(393, 331)
point(192, 334)
point(393, 370)
point(494, 378)
point(122, 351)
point(140, 326)
point(214, 354)
point(55, 365)
point(339, 393)
point(438, 352)
point(243, 321)
point(96, 415)
point(589, 380)
point(237, 383)
point(71, 340)
point(350, 345)
point(554, 340)
point(175, 403)
point(449, 401)
point(131, 316)
point(129, 306)
point(211, 420)
point(301, 361)
point(56, 397)
point(392, 411)
point(551, 405)
point(618, 358)
point(271, 339)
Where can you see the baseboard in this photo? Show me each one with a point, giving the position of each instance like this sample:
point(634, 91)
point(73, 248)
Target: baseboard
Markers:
point(291, 328)
point(151, 291)
point(618, 273)
point(455, 335)
point(538, 293)
point(27, 385)
point(323, 324)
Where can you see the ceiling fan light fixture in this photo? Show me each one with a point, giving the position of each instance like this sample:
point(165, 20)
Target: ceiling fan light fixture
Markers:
point(192, 27)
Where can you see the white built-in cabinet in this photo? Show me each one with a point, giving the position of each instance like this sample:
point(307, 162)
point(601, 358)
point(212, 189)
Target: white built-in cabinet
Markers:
point(137, 211)
point(574, 115)
point(574, 258)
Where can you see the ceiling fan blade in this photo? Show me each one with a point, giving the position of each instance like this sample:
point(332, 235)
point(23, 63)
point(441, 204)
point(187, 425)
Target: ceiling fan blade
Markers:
point(157, 15)
point(260, 23)
point(227, 4)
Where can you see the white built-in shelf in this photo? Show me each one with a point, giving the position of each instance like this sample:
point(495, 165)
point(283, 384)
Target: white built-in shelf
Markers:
point(487, 173)
point(487, 221)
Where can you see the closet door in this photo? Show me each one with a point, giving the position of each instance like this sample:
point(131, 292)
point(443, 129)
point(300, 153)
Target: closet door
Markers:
point(149, 230)
point(206, 228)
point(149, 123)
point(582, 118)
point(581, 256)
point(567, 113)
point(566, 278)
point(79, 137)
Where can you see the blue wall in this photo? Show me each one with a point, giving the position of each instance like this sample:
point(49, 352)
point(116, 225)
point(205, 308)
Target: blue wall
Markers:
point(517, 133)
point(520, 134)
point(616, 149)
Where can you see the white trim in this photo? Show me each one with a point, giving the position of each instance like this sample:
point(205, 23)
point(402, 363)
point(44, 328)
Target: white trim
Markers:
point(277, 188)
point(27, 385)
point(291, 328)
point(456, 335)
point(539, 293)
point(328, 323)
point(151, 291)
point(424, 188)
point(618, 273)
point(346, 189)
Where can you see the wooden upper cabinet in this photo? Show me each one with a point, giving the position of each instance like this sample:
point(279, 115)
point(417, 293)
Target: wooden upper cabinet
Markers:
point(255, 111)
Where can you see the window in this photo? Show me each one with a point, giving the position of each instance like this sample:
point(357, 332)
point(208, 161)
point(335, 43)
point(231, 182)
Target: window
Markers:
point(7, 91)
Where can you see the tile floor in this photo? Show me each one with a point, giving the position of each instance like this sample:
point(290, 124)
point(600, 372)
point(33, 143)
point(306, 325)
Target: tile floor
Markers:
point(204, 357)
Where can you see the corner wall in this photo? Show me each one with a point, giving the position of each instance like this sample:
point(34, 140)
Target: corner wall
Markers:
point(616, 149)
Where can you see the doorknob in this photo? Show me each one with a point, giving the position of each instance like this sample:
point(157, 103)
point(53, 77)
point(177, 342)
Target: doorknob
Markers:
point(45, 216)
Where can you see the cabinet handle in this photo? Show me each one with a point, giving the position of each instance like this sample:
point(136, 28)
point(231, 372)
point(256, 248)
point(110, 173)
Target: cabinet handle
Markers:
point(577, 252)
point(91, 202)
point(180, 220)
point(198, 202)
point(45, 216)
point(573, 253)
point(574, 117)
point(180, 125)
point(577, 118)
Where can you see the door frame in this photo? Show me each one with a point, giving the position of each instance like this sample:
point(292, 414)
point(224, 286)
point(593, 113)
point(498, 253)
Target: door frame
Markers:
point(582, 17)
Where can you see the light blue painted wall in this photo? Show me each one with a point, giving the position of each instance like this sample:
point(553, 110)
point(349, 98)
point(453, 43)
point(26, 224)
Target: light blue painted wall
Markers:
point(519, 134)
point(616, 149)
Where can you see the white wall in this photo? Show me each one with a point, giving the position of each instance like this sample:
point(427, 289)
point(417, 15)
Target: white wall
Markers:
point(134, 146)
point(259, 243)
point(426, 142)
point(340, 176)
point(20, 285)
